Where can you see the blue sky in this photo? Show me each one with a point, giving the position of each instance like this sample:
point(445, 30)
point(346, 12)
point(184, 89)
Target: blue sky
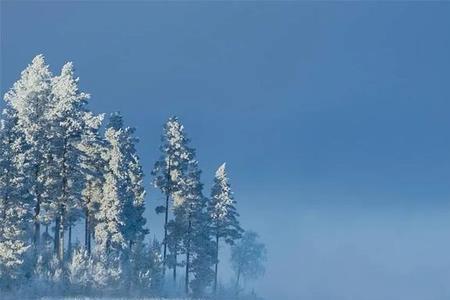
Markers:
point(333, 118)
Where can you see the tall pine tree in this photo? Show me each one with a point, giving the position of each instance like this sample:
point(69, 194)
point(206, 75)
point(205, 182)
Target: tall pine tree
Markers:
point(15, 199)
point(69, 119)
point(93, 147)
point(30, 98)
point(169, 169)
point(120, 216)
point(110, 216)
point(223, 214)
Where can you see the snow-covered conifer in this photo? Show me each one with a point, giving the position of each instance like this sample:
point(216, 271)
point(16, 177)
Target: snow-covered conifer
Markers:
point(69, 119)
point(110, 216)
point(120, 217)
point(223, 215)
point(15, 199)
point(93, 164)
point(79, 270)
point(134, 207)
point(30, 98)
point(106, 271)
point(197, 243)
point(169, 169)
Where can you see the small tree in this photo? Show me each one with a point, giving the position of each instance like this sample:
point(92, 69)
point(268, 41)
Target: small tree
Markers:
point(79, 270)
point(155, 267)
point(248, 257)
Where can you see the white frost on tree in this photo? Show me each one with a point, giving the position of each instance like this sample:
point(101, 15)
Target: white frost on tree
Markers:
point(69, 120)
point(134, 206)
point(30, 98)
point(93, 164)
point(120, 220)
point(223, 214)
point(168, 173)
point(110, 217)
point(15, 200)
point(79, 270)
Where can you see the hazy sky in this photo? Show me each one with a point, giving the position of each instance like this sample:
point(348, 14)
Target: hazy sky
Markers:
point(333, 118)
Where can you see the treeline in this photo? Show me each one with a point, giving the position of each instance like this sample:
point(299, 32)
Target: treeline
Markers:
point(62, 165)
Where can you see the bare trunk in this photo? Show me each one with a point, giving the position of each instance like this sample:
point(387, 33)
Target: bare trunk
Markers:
point(89, 243)
point(37, 211)
point(217, 263)
point(188, 253)
point(165, 233)
point(62, 211)
point(61, 234)
point(69, 246)
point(56, 236)
point(166, 218)
point(37, 224)
point(175, 267)
point(237, 280)
point(87, 235)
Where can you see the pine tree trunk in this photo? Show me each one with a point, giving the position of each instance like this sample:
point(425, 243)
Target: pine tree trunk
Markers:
point(217, 263)
point(69, 246)
point(64, 197)
point(86, 232)
point(237, 280)
point(188, 253)
point(175, 268)
point(61, 234)
point(89, 242)
point(166, 220)
point(165, 234)
point(56, 236)
point(37, 211)
point(37, 224)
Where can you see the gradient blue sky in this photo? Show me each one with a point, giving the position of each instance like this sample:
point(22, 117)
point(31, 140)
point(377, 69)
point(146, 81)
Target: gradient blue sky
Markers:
point(334, 119)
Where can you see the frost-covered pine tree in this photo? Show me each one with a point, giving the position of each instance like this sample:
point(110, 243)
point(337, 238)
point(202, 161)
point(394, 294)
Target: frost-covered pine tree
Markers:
point(223, 215)
point(15, 199)
point(93, 164)
point(120, 220)
point(69, 119)
point(110, 217)
point(134, 207)
point(30, 98)
point(106, 271)
point(169, 169)
point(79, 270)
point(197, 243)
